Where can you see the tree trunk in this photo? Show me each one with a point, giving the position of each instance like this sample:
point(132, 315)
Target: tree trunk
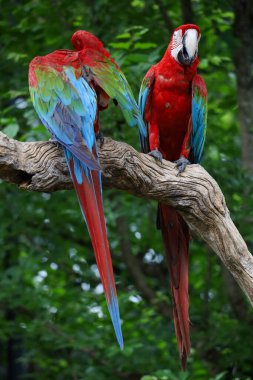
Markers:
point(243, 31)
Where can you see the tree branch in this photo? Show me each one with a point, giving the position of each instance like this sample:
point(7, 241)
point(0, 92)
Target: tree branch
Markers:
point(40, 166)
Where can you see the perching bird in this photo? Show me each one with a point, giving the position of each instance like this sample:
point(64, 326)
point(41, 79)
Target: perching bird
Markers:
point(173, 102)
point(68, 89)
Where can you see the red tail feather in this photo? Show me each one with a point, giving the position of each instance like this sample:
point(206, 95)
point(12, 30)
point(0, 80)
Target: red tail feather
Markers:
point(91, 206)
point(90, 199)
point(176, 237)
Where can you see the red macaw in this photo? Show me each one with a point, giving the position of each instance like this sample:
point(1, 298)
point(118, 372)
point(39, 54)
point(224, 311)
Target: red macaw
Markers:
point(173, 102)
point(68, 89)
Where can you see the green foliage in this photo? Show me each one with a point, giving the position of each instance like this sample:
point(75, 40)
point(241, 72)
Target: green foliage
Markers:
point(53, 317)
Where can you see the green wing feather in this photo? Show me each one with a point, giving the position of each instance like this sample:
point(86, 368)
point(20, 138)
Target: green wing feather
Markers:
point(68, 116)
point(111, 79)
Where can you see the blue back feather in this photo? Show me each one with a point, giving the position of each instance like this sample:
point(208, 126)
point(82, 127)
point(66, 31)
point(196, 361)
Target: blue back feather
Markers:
point(68, 111)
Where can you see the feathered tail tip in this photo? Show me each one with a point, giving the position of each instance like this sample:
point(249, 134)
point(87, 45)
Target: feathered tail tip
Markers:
point(183, 359)
point(182, 335)
point(113, 308)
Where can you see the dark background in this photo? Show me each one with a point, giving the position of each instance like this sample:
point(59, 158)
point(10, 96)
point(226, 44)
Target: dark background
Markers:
point(53, 318)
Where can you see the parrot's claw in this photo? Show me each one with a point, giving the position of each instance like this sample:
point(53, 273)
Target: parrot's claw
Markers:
point(181, 164)
point(156, 154)
point(100, 138)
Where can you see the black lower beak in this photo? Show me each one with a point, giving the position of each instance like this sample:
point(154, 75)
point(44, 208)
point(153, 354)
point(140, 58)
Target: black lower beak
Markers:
point(183, 57)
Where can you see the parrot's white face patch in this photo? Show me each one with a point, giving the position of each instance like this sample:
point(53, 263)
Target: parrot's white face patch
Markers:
point(177, 43)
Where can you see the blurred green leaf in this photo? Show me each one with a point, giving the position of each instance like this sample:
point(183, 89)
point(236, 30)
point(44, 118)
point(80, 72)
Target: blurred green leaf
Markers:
point(11, 130)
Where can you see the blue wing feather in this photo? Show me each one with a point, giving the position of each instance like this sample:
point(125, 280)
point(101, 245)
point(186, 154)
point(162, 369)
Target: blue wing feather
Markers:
point(143, 137)
point(69, 112)
point(199, 118)
point(145, 92)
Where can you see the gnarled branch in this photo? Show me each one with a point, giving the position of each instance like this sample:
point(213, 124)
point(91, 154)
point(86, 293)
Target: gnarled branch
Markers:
point(40, 166)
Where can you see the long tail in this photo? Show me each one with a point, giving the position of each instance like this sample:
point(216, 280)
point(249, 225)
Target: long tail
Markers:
point(176, 238)
point(88, 189)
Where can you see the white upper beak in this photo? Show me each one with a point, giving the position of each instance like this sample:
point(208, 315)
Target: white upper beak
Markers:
point(190, 42)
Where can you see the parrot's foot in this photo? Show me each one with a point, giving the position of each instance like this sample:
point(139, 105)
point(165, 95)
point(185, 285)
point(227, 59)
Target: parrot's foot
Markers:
point(100, 138)
point(156, 154)
point(181, 164)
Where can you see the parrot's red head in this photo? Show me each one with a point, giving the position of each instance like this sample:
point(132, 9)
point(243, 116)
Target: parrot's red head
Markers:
point(184, 44)
point(85, 40)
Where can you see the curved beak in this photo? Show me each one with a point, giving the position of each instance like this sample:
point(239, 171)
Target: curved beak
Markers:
point(189, 51)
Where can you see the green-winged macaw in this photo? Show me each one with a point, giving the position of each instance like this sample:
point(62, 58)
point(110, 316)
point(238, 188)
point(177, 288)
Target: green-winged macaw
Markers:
point(173, 102)
point(68, 89)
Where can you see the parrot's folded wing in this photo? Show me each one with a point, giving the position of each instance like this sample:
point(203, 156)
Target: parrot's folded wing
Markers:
point(199, 118)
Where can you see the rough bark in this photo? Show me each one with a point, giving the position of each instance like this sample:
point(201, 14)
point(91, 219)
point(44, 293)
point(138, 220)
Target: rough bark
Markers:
point(195, 194)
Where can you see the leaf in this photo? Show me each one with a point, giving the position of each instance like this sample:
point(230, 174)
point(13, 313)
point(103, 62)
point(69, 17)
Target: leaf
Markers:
point(220, 376)
point(11, 130)
point(120, 45)
point(144, 45)
point(123, 36)
point(16, 57)
point(203, 63)
point(138, 3)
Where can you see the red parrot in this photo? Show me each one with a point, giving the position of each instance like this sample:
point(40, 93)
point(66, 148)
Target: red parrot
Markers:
point(68, 89)
point(173, 102)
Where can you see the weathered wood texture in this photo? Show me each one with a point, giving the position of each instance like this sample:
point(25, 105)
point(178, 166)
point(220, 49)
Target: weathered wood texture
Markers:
point(40, 166)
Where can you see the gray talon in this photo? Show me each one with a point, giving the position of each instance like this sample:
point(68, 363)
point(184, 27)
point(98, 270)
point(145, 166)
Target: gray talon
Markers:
point(100, 138)
point(156, 154)
point(181, 164)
